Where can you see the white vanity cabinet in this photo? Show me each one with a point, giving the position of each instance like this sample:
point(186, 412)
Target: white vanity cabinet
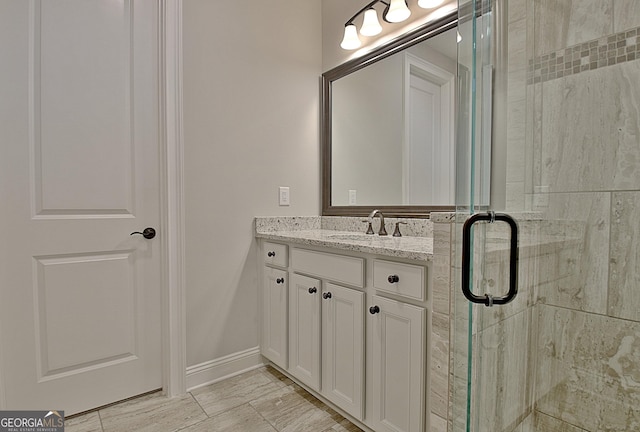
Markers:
point(327, 326)
point(275, 326)
point(356, 326)
point(326, 340)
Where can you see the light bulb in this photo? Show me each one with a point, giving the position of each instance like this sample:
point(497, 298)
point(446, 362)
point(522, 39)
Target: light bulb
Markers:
point(370, 25)
point(429, 4)
point(397, 11)
point(351, 40)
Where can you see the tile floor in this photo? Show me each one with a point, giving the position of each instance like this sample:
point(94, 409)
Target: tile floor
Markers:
point(262, 400)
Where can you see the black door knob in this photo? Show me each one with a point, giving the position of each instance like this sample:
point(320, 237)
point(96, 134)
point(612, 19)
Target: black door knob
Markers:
point(393, 279)
point(271, 254)
point(374, 310)
point(326, 295)
point(280, 280)
point(313, 290)
point(147, 233)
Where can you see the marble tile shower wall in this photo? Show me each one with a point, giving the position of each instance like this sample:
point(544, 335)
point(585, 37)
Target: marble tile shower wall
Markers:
point(573, 154)
point(583, 129)
point(606, 51)
point(505, 349)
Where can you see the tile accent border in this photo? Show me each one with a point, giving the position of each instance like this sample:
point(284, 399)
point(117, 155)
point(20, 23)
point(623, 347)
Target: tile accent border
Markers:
point(605, 51)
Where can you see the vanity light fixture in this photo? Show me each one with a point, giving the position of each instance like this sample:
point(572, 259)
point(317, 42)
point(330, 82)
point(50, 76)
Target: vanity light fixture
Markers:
point(395, 11)
point(427, 4)
point(370, 24)
point(351, 40)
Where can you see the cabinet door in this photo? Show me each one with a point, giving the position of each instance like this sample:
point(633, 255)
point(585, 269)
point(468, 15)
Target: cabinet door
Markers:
point(274, 316)
point(398, 365)
point(343, 348)
point(304, 330)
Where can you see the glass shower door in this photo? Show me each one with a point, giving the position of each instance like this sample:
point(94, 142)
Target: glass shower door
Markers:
point(548, 127)
point(495, 237)
point(491, 323)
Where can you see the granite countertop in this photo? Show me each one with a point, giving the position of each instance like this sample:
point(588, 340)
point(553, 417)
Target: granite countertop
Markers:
point(409, 247)
point(347, 233)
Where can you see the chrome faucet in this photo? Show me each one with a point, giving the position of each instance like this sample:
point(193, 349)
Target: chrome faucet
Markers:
point(382, 231)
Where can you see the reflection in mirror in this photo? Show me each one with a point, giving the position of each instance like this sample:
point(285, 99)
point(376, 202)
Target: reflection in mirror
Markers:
point(391, 131)
point(392, 128)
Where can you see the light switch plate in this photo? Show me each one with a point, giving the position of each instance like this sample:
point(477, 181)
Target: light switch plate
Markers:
point(283, 199)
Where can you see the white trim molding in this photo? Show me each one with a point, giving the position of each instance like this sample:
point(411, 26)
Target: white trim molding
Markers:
point(174, 313)
point(225, 367)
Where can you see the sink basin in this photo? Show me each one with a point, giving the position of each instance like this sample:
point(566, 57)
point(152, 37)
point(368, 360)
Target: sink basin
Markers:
point(357, 237)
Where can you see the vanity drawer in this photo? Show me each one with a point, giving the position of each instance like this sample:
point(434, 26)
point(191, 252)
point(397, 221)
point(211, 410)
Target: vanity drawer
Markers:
point(275, 254)
point(339, 268)
point(402, 279)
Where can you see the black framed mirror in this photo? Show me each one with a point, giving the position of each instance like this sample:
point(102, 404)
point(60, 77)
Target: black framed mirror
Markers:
point(368, 159)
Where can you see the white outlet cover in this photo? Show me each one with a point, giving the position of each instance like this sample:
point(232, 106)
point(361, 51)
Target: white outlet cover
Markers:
point(353, 197)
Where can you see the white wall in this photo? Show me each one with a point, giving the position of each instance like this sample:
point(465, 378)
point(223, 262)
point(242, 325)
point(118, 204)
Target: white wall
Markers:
point(251, 114)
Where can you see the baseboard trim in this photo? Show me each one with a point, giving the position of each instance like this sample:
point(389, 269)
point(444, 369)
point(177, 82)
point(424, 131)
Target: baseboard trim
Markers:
point(222, 368)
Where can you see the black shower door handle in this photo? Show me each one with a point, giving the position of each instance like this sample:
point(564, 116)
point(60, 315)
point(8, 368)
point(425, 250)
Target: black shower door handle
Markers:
point(489, 300)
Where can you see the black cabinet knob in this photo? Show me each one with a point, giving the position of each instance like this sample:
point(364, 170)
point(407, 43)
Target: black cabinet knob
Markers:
point(280, 280)
point(393, 279)
point(147, 233)
point(374, 310)
point(313, 290)
point(271, 254)
point(326, 295)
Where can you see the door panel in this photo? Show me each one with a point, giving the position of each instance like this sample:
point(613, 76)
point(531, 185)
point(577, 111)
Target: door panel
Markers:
point(81, 300)
point(398, 387)
point(473, 169)
point(304, 329)
point(82, 105)
point(274, 316)
point(343, 348)
point(80, 315)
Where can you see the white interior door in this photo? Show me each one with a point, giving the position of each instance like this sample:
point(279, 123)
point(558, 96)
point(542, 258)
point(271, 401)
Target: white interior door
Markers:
point(424, 139)
point(428, 163)
point(79, 171)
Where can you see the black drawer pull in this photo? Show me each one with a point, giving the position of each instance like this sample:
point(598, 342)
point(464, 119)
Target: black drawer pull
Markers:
point(393, 279)
point(374, 310)
point(271, 254)
point(280, 280)
point(313, 290)
point(326, 295)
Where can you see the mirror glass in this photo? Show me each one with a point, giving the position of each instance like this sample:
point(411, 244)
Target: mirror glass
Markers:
point(391, 129)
